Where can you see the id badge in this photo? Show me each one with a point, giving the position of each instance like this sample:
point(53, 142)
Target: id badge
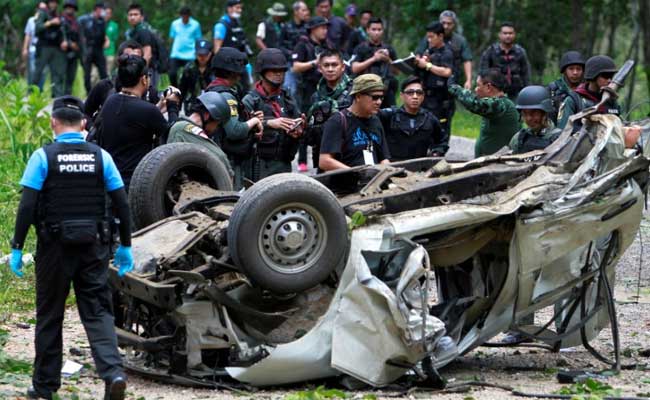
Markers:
point(368, 158)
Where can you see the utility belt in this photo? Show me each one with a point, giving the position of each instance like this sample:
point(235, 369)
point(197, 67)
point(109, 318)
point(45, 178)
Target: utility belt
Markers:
point(76, 231)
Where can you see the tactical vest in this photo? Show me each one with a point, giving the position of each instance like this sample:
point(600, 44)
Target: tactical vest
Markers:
point(276, 144)
point(51, 36)
point(509, 65)
point(272, 38)
point(323, 108)
point(434, 85)
point(290, 35)
point(530, 142)
point(94, 30)
point(235, 36)
point(405, 141)
point(313, 75)
point(454, 46)
point(235, 149)
point(74, 188)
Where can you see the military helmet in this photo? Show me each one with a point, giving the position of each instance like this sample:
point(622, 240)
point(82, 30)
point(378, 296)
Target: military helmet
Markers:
point(270, 59)
point(216, 105)
point(230, 59)
point(597, 65)
point(535, 98)
point(571, 58)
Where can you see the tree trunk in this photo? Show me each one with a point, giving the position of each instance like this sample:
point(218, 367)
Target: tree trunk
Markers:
point(577, 16)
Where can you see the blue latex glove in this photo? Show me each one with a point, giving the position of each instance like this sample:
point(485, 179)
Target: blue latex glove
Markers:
point(123, 260)
point(16, 262)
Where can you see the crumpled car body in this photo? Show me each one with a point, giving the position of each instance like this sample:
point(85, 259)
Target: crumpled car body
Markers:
point(451, 254)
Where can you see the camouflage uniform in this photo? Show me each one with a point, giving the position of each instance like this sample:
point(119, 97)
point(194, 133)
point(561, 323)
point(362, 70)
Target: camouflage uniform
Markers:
point(193, 82)
point(528, 140)
point(325, 102)
point(500, 119)
point(186, 131)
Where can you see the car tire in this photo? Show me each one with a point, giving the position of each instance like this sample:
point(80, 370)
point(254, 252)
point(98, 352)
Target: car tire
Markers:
point(148, 197)
point(288, 233)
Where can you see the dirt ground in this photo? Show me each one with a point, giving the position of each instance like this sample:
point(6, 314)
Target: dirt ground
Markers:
point(527, 370)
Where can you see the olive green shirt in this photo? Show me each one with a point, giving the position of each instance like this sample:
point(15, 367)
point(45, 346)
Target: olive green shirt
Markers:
point(500, 119)
point(186, 131)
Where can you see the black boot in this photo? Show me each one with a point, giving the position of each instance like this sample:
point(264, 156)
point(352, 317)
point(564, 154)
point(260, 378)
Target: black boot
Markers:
point(35, 394)
point(116, 388)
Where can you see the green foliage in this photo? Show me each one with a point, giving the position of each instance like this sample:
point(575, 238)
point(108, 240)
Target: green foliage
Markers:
point(357, 220)
point(590, 389)
point(321, 393)
point(465, 123)
point(24, 127)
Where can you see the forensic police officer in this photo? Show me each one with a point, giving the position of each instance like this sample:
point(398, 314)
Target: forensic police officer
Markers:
point(64, 196)
point(48, 49)
point(572, 67)
point(209, 112)
point(332, 95)
point(283, 124)
point(434, 68)
point(196, 75)
point(535, 105)
point(228, 31)
point(510, 58)
point(235, 136)
point(599, 71)
point(412, 131)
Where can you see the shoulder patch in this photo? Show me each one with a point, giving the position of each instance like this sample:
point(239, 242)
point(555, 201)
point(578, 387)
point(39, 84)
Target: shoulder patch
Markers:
point(233, 107)
point(190, 128)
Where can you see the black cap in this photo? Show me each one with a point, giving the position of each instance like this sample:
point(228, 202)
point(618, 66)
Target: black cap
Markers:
point(231, 3)
point(70, 3)
point(203, 46)
point(315, 22)
point(230, 59)
point(68, 102)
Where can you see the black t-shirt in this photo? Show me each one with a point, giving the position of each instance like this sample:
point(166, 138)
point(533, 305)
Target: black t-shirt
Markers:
point(307, 50)
point(346, 140)
point(366, 50)
point(129, 127)
point(104, 88)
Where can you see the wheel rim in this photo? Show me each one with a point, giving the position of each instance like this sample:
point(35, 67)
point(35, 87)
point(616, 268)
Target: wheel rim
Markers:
point(292, 238)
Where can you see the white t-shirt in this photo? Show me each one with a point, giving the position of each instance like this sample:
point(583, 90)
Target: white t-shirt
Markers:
point(30, 29)
point(261, 30)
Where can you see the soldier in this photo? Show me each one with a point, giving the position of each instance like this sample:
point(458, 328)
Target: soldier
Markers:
point(236, 135)
point(209, 112)
point(375, 57)
point(360, 33)
point(412, 131)
point(458, 46)
point(269, 30)
point(283, 124)
point(93, 36)
point(572, 67)
point(355, 136)
point(535, 105)
point(48, 49)
point(291, 32)
point(228, 32)
point(305, 65)
point(599, 71)
point(142, 33)
point(500, 118)
point(332, 94)
point(510, 58)
point(197, 75)
point(71, 43)
point(434, 67)
point(338, 31)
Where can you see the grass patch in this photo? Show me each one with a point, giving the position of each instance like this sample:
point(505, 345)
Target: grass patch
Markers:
point(590, 389)
point(465, 123)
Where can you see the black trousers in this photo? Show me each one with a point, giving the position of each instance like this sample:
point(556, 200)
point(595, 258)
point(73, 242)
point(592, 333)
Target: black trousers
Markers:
point(443, 110)
point(175, 64)
point(93, 56)
point(86, 268)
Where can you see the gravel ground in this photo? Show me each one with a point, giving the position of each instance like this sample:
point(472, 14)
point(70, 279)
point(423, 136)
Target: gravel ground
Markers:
point(524, 369)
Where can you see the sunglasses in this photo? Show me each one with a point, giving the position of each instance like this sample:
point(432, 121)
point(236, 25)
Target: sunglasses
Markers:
point(375, 97)
point(413, 92)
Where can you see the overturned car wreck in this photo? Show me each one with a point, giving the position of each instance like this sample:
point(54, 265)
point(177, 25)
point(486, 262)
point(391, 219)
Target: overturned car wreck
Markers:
point(286, 282)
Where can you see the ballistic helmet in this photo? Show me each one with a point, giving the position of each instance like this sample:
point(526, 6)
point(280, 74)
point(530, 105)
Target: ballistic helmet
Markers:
point(270, 58)
point(216, 105)
point(571, 58)
point(230, 59)
point(535, 98)
point(597, 65)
